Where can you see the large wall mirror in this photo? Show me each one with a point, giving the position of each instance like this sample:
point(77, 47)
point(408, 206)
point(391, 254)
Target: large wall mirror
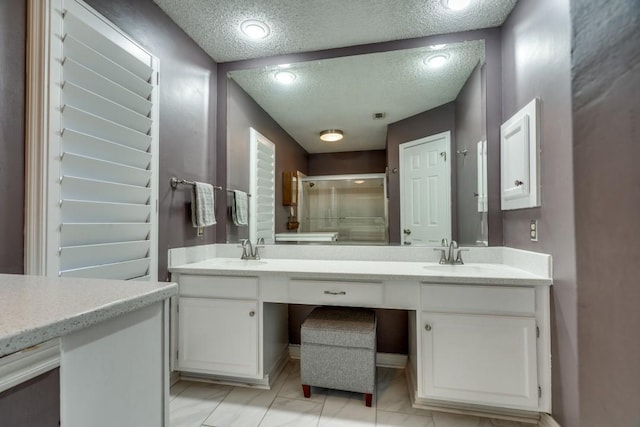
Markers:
point(385, 103)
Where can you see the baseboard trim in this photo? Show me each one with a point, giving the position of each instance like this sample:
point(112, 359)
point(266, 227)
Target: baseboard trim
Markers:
point(547, 420)
point(383, 360)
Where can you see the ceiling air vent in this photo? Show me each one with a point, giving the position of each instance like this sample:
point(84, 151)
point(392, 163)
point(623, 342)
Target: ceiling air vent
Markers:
point(378, 116)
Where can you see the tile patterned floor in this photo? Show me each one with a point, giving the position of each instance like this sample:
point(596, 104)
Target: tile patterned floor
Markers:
point(210, 405)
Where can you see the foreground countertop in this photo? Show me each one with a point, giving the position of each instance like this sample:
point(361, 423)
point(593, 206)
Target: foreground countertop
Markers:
point(426, 272)
point(34, 309)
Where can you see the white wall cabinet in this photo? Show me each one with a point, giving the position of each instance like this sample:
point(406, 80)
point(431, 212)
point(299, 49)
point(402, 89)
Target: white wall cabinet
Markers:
point(218, 336)
point(480, 359)
point(519, 163)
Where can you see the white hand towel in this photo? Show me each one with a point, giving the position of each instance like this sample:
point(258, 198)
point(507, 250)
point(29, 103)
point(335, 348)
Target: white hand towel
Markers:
point(202, 205)
point(240, 208)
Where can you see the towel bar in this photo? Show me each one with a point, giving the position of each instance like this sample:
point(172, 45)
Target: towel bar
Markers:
point(175, 182)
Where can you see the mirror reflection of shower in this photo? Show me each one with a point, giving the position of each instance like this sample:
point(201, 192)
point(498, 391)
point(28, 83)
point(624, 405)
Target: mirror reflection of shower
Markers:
point(353, 206)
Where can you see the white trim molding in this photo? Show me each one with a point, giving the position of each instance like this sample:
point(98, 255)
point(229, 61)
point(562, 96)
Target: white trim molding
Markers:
point(547, 420)
point(36, 135)
point(29, 363)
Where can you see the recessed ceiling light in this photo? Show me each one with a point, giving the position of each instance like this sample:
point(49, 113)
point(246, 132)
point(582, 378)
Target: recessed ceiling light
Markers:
point(331, 135)
point(456, 4)
point(254, 29)
point(285, 77)
point(436, 61)
point(438, 46)
point(284, 66)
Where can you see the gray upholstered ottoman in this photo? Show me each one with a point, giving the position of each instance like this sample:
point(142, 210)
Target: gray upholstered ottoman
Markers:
point(338, 350)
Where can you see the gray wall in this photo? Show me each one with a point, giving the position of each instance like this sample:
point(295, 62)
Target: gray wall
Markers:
point(606, 149)
point(536, 63)
point(372, 161)
point(434, 121)
point(470, 129)
point(12, 91)
point(242, 113)
point(187, 122)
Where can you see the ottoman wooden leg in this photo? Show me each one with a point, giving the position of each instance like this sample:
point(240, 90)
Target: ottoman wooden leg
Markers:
point(306, 390)
point(368, 397)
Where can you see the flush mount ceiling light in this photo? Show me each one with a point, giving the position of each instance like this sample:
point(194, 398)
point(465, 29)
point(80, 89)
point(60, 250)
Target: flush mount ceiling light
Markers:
point(331, 135)
point(255, 30)
point(284, 66)
point(456, 4)
point(285, 77)
point(359, 181)
point(437, 46)
point(436, 61)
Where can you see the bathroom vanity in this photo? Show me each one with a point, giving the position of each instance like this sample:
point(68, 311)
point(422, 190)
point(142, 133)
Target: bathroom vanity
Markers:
point(106, 342)
point(479, 335)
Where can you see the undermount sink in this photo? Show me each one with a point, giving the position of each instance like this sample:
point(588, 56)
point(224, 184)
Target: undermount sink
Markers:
point(238, 262)
point(461, 268)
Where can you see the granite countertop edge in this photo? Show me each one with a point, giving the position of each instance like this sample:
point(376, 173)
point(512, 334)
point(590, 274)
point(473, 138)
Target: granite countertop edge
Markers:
point(30, 337)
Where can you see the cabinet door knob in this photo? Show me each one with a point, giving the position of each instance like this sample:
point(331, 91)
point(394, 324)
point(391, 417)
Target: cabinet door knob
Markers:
point(252, 313)
point(407, 231)
point(427, 327)
point(518, 183)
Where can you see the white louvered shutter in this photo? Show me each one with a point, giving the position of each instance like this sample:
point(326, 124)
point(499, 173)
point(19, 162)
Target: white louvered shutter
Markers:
point(263, 183)
point(106, 159)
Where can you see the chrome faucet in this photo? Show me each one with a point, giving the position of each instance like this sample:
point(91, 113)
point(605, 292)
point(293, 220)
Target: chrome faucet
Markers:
point(448, 255)
point(249, 251)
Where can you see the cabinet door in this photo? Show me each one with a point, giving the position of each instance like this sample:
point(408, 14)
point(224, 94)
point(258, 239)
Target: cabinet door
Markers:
point(480, 359)
point(218, 336)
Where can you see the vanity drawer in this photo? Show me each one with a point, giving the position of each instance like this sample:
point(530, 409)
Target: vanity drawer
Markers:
point(479, 299)
point(336, 292)
point(219, 286)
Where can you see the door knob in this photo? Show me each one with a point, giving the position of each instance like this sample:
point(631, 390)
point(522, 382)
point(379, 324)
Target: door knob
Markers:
point(427, 327)
point(252, 313)
point(407, 231)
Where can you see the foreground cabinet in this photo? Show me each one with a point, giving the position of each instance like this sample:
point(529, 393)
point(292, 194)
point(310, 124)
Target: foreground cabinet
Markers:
point(218, 336)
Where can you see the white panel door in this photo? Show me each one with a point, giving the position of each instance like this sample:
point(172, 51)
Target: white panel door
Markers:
point(425, 190)
point(218, 336)
point(480, 359)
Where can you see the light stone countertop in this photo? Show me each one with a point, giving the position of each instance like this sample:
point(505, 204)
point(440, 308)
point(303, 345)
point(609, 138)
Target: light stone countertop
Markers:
point(35, 309)
point(426, 272)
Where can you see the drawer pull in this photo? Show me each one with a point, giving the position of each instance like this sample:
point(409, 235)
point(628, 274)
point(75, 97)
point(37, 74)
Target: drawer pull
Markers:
point(335, 293)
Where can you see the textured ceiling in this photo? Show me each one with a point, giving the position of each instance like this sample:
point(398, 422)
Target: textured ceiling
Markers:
point(344, 93)
point(341, 93)
point(307, 25)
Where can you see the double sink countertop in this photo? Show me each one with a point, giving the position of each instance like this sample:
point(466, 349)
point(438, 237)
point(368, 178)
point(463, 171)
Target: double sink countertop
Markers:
point(35, 309)
point(425, 272)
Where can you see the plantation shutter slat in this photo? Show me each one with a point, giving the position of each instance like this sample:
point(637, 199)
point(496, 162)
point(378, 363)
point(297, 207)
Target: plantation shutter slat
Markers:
point(102, 191)
point(118, 270)
point(91, 146)
point(76, 234)
point(117, 113)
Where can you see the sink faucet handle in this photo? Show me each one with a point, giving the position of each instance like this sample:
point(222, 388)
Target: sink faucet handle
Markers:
point(444, 242)
point(459, 255)
point(247, 249)
point(443, 255)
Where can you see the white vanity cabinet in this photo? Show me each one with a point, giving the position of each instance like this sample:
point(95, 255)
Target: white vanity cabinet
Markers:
point(479, 345)
point(218, 326)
